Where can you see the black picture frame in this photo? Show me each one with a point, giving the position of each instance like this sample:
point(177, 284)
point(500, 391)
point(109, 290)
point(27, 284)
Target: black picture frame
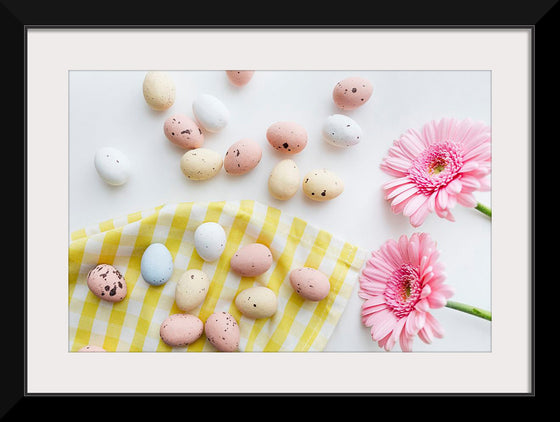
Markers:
point(16, 17)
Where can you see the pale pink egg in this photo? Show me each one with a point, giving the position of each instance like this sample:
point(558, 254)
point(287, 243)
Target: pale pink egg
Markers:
point(107, 283)
point(309, 283)
point(240, 77)
point(242, 157)
point(222, 331)
point(180, 329)
point(251, 260)
point(92, 348)
point(287, 137)
point(183, 132)
point(352, 92)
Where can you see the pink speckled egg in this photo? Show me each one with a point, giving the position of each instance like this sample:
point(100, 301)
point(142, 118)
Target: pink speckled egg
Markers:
point(240, 77)
point(222, 331)
point(92, 348)
point(242, 157)
point(352, 93)
point(180, 329)
point(251, 260)
point(309, 283)
point(287, 137)
point(107, 283)
point(183, 131)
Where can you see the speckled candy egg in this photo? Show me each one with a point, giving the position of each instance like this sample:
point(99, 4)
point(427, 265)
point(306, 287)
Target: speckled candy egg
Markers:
point(180, 329)
point(240, 77)
point(156, 264)
point(222, 331)
point(242, 157)
point(341, 131)
point(210, 113)
point(251, 260)
point(112, 166)
point(159, 90)
point(287, 137)
point(309, 283)
point(107, 283)
point(283, 182)
point(201, 164)
point(183, 131)
point(92, 348)
point(322, 185)
point(191, 289)
point(352, 92)
point(257, 302)
point(210, 241)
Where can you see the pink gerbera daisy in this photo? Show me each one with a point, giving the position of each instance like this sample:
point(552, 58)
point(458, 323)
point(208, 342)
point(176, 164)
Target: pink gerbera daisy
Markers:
point(436, 168)
point(400, 283)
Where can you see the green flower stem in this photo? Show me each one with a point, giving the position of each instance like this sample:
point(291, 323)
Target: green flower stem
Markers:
point(481, 313)
point(484, 209)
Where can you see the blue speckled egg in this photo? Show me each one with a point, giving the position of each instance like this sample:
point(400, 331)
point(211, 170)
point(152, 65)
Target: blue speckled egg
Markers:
point(156, 265)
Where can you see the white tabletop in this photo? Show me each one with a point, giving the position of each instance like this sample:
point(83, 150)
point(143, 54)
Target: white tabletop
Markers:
point(107, 108)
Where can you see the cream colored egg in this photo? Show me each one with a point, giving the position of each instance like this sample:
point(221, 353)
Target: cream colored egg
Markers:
point(322, 185)
point(159, 90)
point(201, 164)
point(191, 289)
point(257, 302)
point(283, 182)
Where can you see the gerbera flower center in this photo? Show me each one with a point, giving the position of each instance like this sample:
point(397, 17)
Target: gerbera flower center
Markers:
point(403, 290)
point(436, 166)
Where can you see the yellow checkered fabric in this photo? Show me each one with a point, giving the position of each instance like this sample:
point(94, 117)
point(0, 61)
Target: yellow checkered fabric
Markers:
point(133, 324)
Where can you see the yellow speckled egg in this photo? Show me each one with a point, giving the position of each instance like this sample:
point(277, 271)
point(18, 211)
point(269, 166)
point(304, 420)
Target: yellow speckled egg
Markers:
point(201, 164)
point(257, 302)
point(283, 182)
point(159, 90)
point(322, 185)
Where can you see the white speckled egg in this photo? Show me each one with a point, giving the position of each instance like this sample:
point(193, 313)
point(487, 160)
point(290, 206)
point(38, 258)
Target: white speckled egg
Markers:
point(322, 185)
point(181, 329)
point(283, 182)
point(201, 164)
point(341, 131)
point(309, 283)
point(257, 302)
point(209, 241)
point(222, 331)
point(159, 90)
point(210, 113)
point(107, 283)
point(191, 289)
point(156, 265)
point(112, 166)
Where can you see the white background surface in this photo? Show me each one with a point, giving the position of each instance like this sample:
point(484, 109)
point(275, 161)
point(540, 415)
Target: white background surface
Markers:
point(107, 108)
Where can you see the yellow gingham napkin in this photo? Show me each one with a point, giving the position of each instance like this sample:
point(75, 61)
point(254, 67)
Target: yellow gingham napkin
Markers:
point(133, 324)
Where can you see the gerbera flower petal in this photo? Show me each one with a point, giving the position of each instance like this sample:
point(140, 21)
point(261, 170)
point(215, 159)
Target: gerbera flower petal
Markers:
point(417, 218)
point(434, 163)
point(467, 200)
point(414, 204)
point(399, 284)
